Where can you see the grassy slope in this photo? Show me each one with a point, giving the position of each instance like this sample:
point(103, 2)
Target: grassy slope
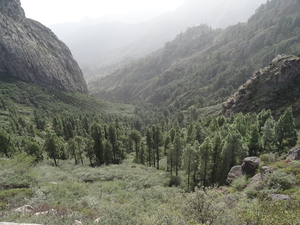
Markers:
point(134, 194)
point(25, 97)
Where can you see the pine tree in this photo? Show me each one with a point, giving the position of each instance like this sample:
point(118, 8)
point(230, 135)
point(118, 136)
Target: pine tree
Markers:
point(205, 150)
point(149, 143)
point(157, 139)
point(189, 161)
point(52, 147)
point(136, 137)
point(5, 143)
point(216, 157)
point(254, 144)
point(177, 152)
point(286, 134)
point(98, 137)
point(268, 135)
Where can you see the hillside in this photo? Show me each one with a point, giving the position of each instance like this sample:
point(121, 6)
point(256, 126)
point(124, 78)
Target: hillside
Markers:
point(204, 66)
point(100, 48)
point(32, 52)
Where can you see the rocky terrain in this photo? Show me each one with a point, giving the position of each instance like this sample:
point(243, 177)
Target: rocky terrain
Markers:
point(31, 52)
point(273, 87)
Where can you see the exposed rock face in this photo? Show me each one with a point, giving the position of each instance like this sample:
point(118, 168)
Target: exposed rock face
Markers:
point(294, 153)
point(31, 52)
point(272, 88)
point(248, 167)
point(250, 164)
point(234, 173)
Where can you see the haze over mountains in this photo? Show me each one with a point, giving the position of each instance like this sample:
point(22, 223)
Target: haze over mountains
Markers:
point(99, 45)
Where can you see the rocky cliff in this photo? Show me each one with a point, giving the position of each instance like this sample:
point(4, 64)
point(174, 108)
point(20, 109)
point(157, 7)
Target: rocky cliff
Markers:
point(31, 52)
point(275, 87)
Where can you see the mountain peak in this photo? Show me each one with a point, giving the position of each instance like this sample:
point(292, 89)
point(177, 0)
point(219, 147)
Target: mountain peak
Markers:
point(32, 52)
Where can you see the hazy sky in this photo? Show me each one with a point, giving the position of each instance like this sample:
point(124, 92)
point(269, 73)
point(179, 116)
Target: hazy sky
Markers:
point(51, 12)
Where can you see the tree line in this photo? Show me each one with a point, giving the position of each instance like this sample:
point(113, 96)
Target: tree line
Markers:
point(206, 149)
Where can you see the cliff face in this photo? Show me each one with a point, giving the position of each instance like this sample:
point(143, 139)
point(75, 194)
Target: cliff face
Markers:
point(275, 87)
point(31, 52)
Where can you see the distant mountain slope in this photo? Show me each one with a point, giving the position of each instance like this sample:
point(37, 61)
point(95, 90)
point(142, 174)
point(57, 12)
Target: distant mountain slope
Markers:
point(101, 47)
point(202, 66)
point(31, 52)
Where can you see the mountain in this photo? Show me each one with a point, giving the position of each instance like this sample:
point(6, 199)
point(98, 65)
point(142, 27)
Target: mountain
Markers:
point(100, 48)
point(32, 52)
point(204, 66)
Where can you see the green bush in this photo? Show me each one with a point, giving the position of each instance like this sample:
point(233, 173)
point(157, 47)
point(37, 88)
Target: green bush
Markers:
point(239, 184)
point(175, 181)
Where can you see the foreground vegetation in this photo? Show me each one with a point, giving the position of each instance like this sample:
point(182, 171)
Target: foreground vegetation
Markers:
point(135, 194)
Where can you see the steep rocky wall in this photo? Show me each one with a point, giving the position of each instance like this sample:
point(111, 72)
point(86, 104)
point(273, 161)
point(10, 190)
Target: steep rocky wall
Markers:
point(273, 87)
point(32, 52)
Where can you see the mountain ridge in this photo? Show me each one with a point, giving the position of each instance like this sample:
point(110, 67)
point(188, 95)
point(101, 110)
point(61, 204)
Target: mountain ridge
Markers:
point(204, 66)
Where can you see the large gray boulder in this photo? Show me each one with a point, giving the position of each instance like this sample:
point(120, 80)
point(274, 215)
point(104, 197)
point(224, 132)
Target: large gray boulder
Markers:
point(294, 153)
point(250, 165)
point(32, 52)
point(234, 173)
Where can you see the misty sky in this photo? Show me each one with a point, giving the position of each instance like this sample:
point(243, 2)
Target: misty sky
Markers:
point(51, 12)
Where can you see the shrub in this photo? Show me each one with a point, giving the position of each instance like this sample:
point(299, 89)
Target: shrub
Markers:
point(175, 181)
point(239, 184)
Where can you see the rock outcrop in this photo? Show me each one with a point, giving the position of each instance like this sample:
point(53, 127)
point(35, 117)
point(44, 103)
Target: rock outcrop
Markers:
point(273, 87)
point(31, 52)
point(248, 167)
point(294, 153)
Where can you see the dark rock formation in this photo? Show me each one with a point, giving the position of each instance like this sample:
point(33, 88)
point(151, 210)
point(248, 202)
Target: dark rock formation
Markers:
point(273, 87)
point(31, 52)
point(294, 153)
point(250, 165)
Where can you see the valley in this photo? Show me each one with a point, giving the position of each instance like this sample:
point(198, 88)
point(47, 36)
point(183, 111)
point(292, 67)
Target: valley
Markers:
point(153, 141)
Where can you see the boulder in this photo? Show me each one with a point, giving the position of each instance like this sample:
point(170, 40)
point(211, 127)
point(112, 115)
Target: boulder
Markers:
point(294, 153)
point(234, 173)
point(278, 197)
point(250, 165)
point(255, 182)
